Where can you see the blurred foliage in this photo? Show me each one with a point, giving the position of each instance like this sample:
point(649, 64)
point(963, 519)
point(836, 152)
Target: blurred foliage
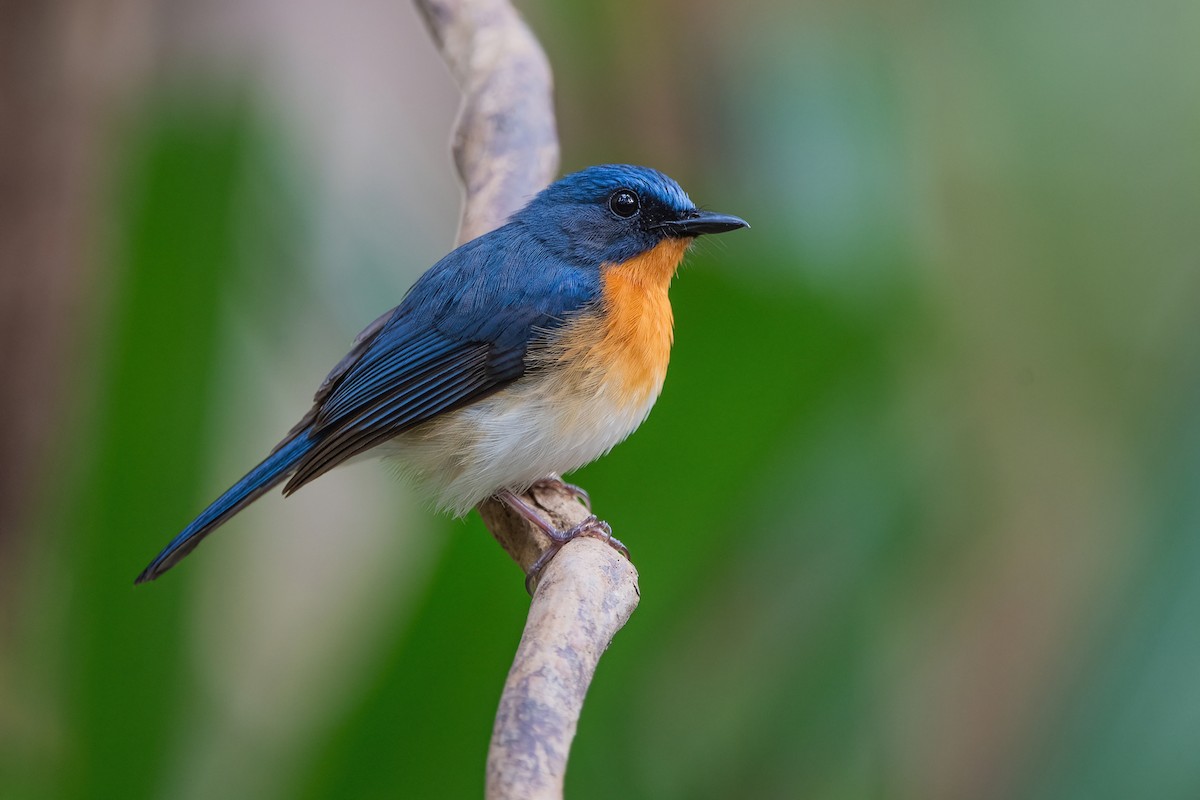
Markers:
point(916, 515)
point(179, 213)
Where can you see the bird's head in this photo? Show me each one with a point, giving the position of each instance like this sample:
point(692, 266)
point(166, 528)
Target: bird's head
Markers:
point(614, 212)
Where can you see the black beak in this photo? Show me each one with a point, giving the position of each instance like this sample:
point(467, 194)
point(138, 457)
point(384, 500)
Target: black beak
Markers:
point(696, 223)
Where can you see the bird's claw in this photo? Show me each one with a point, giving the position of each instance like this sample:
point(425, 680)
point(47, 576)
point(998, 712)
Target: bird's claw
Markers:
point(578, 492)
point(591, 526)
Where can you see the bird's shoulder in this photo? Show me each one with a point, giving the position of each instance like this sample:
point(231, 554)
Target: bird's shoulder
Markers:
point(495, 288)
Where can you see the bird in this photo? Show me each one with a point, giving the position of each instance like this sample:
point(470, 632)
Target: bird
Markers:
point(524, 353)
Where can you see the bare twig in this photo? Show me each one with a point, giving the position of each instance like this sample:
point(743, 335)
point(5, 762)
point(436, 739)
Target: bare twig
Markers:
point(586, 595)
point(505, 142)
point(506, 149)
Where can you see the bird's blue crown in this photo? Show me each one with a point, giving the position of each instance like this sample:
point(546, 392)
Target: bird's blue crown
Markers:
point(596, 183)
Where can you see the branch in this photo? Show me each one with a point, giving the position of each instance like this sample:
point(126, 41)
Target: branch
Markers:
point(506, 150)
point(586, 595)
point(505, 141)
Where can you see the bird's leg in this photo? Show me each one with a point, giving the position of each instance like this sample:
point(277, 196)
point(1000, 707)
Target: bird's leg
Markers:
point(554, 482)
point(591, 526)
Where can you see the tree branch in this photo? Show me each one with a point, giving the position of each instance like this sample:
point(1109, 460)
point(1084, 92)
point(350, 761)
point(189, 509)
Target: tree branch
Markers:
point(506, 150)
point(505, 140)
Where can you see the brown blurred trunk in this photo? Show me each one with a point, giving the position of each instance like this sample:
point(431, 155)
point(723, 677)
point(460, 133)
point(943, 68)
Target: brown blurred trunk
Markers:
point(61, 65)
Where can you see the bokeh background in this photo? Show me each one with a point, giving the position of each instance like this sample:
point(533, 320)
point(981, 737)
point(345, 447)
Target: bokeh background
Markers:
point(918, 513)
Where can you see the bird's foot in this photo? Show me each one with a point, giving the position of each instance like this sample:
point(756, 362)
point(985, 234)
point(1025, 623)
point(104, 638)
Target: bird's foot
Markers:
point(578, 492)
point(591, 526)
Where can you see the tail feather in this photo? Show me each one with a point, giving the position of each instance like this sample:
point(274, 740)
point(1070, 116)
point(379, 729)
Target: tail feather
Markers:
point(257, 482)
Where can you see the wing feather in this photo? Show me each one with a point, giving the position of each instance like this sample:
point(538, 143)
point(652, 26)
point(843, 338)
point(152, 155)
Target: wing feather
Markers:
point(385, 370)
point(435, 388)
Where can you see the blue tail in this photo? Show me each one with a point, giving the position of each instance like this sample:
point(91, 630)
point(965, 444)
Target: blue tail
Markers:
point(257, 482)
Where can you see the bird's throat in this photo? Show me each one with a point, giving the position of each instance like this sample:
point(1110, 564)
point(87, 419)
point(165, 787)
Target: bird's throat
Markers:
point(637, 326)
point(653, 269)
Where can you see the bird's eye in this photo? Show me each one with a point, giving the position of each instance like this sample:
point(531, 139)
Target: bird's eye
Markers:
point(623, 203)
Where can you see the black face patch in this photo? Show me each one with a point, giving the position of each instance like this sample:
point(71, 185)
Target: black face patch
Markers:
point(655, 212)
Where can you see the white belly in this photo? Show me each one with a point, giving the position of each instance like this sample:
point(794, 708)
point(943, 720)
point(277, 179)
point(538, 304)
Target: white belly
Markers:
point(517, 436)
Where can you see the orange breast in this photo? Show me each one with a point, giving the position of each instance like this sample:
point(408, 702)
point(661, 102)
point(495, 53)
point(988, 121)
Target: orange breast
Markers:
point(627, 345)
